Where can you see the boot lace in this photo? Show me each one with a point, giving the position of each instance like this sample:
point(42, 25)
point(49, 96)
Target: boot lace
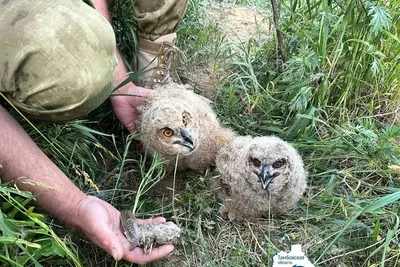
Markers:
point(167, 58)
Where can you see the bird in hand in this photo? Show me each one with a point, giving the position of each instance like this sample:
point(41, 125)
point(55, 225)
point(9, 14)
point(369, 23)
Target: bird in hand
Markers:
point(176, 122)
point(258, 176)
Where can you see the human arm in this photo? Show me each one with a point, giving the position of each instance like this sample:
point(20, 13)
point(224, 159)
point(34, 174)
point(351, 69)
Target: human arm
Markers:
point(124, 105)
point(22, 162)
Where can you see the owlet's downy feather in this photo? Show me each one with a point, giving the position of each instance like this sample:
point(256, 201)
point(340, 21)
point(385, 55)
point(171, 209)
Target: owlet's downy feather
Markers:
point(257, 176)
point(175, 121)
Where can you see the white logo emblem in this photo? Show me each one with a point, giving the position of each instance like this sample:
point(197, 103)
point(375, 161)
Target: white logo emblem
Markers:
point(295, 258)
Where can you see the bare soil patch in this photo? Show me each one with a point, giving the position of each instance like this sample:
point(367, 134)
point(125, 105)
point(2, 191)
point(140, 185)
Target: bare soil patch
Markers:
point(239, 24)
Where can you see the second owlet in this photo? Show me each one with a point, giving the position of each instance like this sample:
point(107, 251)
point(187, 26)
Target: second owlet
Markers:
point(176, 121)
point(257, 176)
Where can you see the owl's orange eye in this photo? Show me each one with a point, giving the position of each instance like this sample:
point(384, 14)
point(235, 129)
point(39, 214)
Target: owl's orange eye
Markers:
point(168, 132)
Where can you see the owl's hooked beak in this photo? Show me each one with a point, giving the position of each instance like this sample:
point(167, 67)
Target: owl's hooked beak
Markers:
point(266, 176)
point(187, 137)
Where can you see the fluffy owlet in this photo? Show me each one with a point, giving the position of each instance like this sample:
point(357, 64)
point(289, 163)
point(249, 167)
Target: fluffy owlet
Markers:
point(258, 175)
point(175, 121)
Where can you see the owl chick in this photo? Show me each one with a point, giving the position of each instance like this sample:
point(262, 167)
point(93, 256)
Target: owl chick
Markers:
point(176, 121)
point(258, 175)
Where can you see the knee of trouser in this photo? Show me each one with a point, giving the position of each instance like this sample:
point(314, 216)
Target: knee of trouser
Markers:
point(66, 66)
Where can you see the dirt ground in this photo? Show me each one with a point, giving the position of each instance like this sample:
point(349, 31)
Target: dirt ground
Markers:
point(239, 24)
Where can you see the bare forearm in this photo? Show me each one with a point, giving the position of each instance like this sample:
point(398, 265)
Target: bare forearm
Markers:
point(120, 71)
point(127, 98)
point(22, 162)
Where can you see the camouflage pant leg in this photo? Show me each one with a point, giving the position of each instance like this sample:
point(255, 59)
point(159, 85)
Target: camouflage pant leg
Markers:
point(57, 58)
point(158, 17)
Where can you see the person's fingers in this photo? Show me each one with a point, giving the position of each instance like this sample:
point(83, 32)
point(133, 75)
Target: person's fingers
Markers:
point(153, 220)
point(102, 226)
point(138, 256)
point(110, 241)
point(138, 91)
point(117, 250)
point(141, 91)
point(130, 126)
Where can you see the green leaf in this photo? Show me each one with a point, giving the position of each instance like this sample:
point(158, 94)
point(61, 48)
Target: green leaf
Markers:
point(88, 131)
point(383, 201)
point(13, 240)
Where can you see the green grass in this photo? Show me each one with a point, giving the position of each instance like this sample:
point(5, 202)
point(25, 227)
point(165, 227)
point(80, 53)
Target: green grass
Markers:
point(334, 98)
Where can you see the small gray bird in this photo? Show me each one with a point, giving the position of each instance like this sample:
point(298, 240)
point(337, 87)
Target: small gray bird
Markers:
point(175, 122)
point(257, 176)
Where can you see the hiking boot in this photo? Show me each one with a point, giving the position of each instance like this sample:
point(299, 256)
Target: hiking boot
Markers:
point(155, 60)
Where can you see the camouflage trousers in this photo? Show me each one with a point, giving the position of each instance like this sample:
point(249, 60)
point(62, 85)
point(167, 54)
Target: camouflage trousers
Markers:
point(57, 58)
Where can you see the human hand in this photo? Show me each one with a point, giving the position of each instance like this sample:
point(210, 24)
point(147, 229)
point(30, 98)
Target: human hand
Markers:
point(101, 223)
point(125, 101)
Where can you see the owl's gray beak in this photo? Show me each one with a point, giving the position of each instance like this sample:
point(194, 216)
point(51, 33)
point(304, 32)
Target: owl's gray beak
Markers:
point(187, 137)
point(266, 176)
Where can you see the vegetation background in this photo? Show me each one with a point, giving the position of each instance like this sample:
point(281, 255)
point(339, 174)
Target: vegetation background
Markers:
point(332, 91)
